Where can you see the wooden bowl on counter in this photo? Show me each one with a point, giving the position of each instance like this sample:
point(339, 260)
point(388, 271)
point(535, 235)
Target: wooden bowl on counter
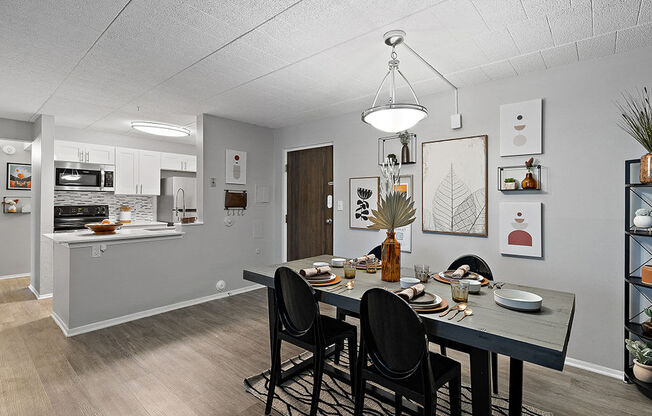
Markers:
point(188, 220)
point(103, 229)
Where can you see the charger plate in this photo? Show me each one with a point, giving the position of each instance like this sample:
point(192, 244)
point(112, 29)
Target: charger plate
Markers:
point(448, 281)
point(364, 266)
point(441, 307)
point(335, 281)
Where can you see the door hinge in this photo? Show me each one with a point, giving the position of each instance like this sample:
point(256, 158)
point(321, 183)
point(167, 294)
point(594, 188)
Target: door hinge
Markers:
point(286, 167)
point(286, 218)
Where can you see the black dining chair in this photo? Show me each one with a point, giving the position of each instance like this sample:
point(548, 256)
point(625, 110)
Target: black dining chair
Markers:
point(479, 266)
point(298, 321)
point(394, 354)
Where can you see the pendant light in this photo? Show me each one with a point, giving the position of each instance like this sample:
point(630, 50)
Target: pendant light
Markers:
point(395, 116)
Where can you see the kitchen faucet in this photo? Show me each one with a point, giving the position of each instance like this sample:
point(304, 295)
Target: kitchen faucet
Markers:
point(176, 207)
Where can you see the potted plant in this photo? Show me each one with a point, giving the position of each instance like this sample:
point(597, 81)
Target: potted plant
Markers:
point(636, 120)
point(509, 184)
point(647, 326)
point(642, 354)
point(642, 219)
point(529, 182)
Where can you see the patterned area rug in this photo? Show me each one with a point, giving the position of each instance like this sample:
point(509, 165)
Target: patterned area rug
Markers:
point(293, 397)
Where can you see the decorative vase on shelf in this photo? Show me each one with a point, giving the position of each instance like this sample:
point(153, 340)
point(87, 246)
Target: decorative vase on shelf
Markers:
point(391, 259)
point(405, 153)
point(646, 168)
point(529, 182)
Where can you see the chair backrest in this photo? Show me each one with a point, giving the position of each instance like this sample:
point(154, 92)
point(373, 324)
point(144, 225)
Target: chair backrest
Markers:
point(393, 334)
point(377, 251)
point(476, 264)
point(295, 302)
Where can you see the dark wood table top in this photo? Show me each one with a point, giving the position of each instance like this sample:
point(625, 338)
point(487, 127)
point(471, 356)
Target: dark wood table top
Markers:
point(536, 337)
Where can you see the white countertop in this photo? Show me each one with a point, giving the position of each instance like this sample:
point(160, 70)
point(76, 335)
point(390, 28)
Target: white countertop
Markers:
point(120, 235)
point(145, 224)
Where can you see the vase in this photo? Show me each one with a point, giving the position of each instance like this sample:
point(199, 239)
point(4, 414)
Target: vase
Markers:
point(391, 259)
point(646, 168)
point(529, 182)
point(643, 221)
point(405, 153)
point(643, 372)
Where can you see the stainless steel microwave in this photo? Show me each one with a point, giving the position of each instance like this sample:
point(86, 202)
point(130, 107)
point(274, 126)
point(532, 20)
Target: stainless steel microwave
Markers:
point(71, 176)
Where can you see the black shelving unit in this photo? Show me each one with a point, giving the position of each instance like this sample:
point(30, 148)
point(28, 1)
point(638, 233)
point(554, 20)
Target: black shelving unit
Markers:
point(632, 282)
point(536, 172)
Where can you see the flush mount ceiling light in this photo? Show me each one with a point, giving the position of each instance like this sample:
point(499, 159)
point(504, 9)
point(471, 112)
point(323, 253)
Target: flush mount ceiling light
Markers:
point(395, 116)
point(160, 129)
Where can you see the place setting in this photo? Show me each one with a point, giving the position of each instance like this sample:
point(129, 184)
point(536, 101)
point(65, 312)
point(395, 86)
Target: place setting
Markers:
point(462, 273)
point(320, 275)
point(418, 298)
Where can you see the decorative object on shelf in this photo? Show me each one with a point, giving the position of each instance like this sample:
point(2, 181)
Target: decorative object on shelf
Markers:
point(394, 211)
point(508, 172)
point(647, 325)
point(125, 214)
point(454, 186)
point(364, 194)
point(529, 182)
point(510, 184)
point(236, 167)
point(520, 228)
point(392, 158)
point(403, 144)
point(19, 176)
point(636, 120)
point(642, 219)
point(642, 354)
point(520, 128)
point(10, 206)
point(646, 275)
point(396, 116)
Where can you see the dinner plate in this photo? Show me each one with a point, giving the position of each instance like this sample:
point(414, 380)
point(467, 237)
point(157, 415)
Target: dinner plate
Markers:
point(438, 277)
point(321, 278)
point(426, 300)
point(448, 274)
point(332, 282)
point(519, 300)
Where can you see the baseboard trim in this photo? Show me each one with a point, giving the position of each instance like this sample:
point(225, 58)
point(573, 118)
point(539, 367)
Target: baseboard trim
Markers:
point(595, 368)
point(14, 276)
point(38, 295)
point(71, 332)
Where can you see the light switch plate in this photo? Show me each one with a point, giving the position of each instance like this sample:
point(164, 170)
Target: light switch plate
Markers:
point(340, 205)
point(96, 251)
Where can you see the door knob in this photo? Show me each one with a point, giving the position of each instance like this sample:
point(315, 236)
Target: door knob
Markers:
point(329, 220)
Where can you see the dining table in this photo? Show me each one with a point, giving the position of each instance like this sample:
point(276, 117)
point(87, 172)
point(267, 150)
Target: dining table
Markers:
point(539, 337)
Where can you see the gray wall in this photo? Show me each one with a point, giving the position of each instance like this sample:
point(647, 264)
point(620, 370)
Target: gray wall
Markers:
point(14, 256)
point(583, 202)
point(16, 129)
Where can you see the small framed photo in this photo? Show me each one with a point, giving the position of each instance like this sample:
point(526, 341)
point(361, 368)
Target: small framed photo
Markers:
point(19, 176)
point(364, 195)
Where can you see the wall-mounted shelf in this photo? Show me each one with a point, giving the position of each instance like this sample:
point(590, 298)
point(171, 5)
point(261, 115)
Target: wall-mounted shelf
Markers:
point(518, 175)
point(23, 206)
point(392, 145)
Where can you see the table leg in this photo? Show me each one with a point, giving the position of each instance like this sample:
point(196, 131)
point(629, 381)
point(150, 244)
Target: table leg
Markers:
point(515, 386)
point(480, 382)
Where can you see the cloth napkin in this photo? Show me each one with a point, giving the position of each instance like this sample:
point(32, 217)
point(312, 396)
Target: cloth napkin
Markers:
point(362, 259)
point(461, 271)
point(314, 271)
point(412, 292)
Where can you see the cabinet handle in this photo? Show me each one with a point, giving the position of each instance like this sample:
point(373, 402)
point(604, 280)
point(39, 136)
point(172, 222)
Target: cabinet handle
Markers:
point(80, 155)
point(88, 156)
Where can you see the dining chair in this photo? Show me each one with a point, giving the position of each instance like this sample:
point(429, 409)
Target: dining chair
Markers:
point(298, 321)
point(394, 354)
point(479, 266)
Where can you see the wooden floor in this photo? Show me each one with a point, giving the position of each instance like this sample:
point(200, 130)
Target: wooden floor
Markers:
point(192, 362)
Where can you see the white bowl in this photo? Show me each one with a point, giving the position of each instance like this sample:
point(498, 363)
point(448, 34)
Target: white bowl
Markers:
point(320, 264)
point(643, 221)
point(518, 300)
point(474, 285)
point(337, 262)
point(409, 282)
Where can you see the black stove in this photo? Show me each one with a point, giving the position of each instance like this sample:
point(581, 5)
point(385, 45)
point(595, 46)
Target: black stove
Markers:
point(73, 217)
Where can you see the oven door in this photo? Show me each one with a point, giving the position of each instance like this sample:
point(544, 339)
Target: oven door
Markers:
point(79, 177)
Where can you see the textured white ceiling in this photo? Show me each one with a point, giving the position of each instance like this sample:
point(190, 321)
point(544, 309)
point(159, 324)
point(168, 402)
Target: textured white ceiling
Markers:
point(98, 64)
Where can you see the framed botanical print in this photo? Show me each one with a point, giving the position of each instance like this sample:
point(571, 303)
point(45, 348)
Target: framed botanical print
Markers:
point(19, 176)
point(364, 195)
point(404, 234)
point(454, 196)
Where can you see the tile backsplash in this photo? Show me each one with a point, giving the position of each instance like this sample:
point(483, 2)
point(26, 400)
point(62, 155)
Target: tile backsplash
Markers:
point(142, 207)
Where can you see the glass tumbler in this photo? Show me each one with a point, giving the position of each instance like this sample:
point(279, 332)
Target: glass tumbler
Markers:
point(349, 270)
point(371, 265)
point(422, 272)
point(460, 291)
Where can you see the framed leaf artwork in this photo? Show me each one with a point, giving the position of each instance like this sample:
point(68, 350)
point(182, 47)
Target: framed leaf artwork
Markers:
point(454, 194)
point(364, 195)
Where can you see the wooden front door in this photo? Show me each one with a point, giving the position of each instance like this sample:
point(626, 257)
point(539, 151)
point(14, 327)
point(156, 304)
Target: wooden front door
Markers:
point(309, 215)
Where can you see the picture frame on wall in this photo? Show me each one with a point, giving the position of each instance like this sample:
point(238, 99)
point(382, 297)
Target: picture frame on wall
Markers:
point(521, 128)
point(520, 229)
point(404, 234)
point(454, 186)
point(364, 195)
point(19, 176)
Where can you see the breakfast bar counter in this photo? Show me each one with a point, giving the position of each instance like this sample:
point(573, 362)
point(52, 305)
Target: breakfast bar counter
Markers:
point(122, 235)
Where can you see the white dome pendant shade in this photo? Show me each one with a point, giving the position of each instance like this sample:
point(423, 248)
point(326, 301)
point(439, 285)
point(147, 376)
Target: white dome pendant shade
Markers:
point(394, 117)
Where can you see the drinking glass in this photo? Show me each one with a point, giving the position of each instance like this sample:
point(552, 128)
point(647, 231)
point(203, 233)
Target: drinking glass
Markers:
point(422, 272)
point(371, 265)
point(349, 270)
point(460, 291)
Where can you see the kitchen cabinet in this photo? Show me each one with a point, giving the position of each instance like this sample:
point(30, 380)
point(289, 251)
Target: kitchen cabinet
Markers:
point(84, 153)
point(179, 162)
point(137, 172)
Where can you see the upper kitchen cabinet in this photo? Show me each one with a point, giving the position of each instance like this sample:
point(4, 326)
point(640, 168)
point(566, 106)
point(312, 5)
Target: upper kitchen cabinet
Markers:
point(137, 172)
point(180, 162)
point(84, 153)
